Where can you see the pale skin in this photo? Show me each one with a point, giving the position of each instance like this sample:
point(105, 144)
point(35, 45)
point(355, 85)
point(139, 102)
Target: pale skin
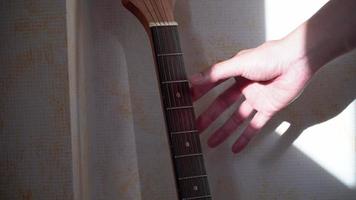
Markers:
point(272, 75)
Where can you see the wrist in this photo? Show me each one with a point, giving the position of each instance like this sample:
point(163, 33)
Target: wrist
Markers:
point(303, 50)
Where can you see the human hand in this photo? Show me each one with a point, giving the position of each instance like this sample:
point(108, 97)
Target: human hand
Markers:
point(269, 77)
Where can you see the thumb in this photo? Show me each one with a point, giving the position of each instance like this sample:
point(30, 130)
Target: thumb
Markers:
point(220, 71)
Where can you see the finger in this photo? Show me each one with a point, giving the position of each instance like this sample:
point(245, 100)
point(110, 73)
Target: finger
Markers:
point(198, 89)
point(220, 104)
point(256, 124)
point(235, 120)
point(223, 70)
point(204, 81)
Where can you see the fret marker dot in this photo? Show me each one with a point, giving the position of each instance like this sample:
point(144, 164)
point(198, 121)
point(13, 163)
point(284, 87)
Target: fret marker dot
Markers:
point(195, 188)
point(187, 144)
point(178, 95)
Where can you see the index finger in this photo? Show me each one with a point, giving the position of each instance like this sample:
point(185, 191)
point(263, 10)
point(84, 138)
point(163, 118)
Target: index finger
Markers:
point(208, 79)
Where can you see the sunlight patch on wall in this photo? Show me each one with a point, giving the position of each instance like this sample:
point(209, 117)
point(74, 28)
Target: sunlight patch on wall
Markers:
point(283, 16)
point(331, 144)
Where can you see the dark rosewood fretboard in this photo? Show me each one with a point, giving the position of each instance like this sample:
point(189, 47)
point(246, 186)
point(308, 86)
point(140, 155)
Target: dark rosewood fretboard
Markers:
point(190, 173)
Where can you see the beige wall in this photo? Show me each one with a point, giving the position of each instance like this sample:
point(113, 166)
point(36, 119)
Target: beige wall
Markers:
point(90, 123)
point(35, 138)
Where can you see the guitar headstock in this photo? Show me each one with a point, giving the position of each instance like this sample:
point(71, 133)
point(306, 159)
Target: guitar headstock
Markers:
point(151, 12)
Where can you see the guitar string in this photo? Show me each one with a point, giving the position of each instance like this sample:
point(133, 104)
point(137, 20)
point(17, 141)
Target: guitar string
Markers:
point(164, 11)
point(148, 10)
point(185, 117)
point(180, 87)
point(168, 77)
point(189, 120)
point(158, 35)
point(186, 140)
point(159, 11)
point(176, 113)
point(153, 8)
point(175, 90)
point(188, 116)
point(182, 113)
point(173, 75)
point(171, 114)
point(195, 137)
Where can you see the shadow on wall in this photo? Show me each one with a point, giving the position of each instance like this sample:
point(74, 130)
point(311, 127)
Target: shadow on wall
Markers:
point(116, 36)
point(212, 31)
point(196, 57)
point(328, 94)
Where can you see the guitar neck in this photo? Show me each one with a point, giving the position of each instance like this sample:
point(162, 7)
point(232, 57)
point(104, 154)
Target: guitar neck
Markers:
point(190, 173)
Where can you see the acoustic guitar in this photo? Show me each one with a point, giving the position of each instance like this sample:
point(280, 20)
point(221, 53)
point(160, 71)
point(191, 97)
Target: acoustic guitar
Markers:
point(190, 174)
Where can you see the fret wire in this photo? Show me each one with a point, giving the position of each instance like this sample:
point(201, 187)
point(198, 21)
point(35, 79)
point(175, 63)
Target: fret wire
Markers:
point(189, 155)
point(199, 197)
point(177, 81)
point(192, 177)
point(178, 107)
point(170, 54)
point(182, 132)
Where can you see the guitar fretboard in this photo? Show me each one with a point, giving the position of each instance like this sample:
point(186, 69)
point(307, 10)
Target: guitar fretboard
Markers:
point(185, 145)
